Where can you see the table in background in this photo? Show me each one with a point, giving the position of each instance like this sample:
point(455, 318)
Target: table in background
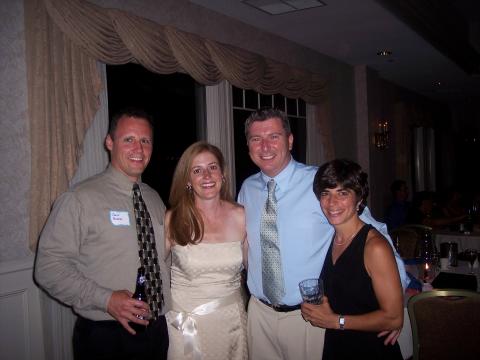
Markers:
point(417, 267)
point(463, 268)
point(471, 241)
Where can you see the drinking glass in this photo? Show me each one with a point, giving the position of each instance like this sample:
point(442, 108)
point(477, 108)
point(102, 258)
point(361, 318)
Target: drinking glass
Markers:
point(471, 256)
point(311, 290)
point(427, 247)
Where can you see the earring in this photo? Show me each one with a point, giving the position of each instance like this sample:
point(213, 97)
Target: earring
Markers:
point(189, 187)
point(223, 179)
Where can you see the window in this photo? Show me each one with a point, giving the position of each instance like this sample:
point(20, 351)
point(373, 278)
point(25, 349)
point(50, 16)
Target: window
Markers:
point(247, 101)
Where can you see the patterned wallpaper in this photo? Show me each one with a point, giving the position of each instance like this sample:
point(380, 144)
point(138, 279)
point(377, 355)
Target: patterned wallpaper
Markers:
point(14, 138)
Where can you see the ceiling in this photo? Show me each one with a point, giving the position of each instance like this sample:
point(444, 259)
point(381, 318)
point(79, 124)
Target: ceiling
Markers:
point(354, 31)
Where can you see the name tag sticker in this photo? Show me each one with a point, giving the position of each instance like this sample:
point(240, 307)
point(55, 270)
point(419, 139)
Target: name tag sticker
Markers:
point(119, 218)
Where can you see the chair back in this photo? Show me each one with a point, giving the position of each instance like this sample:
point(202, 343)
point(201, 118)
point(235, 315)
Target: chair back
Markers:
point(445, 324)
point(406, 241)
point(411, 241)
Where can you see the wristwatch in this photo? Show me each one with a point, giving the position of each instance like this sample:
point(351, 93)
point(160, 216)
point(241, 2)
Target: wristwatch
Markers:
point(341, 322)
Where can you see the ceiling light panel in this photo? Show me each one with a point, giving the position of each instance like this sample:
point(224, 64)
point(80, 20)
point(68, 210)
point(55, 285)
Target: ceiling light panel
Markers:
point(304, 4)
point(277, 7)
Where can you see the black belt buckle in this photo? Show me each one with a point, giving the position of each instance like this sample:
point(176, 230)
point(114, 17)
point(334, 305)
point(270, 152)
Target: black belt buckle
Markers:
point(281, 307)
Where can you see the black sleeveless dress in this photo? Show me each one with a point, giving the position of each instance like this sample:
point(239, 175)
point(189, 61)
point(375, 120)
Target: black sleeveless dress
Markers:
point(350, 292)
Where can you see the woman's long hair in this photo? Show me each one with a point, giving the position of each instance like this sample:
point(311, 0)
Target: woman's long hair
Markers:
point(186, 224)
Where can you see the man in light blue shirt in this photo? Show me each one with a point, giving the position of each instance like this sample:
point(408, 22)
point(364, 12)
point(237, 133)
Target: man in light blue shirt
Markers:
point(279, 331)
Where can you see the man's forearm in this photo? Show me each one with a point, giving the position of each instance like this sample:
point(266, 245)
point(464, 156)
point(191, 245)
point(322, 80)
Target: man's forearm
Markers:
point(61, 279)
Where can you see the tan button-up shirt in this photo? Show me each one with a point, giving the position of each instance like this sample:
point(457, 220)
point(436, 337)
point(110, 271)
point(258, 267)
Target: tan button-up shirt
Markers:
point(89, 245)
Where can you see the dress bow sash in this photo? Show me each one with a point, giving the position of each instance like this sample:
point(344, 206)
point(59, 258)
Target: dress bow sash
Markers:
point(185, 322)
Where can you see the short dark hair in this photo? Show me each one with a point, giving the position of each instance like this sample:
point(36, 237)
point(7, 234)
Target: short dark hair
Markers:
point(345, 173)
point(128, 112)
point(266, 113)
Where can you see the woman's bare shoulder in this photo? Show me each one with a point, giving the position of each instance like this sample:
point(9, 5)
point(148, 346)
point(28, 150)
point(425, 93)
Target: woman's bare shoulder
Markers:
point(235, 208)
point(379, 257)
point(168, 215)
point(234, 213)
point(376, 242)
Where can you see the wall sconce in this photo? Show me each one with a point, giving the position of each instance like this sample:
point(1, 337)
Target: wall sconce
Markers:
point(381, 136)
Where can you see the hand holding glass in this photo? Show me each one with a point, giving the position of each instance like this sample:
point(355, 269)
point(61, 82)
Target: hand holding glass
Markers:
point(311, 291)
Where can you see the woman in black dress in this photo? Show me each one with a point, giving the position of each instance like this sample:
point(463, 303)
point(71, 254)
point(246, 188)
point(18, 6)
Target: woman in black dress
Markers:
point(363, 293)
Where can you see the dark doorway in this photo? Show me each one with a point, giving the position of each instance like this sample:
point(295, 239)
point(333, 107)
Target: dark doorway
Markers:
point(170, 99)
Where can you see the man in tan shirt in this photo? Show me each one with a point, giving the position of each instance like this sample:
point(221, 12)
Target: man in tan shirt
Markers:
point(88, 253)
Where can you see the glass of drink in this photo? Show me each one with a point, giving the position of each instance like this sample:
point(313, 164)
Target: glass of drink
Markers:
point(311, 290)
point(471, 256)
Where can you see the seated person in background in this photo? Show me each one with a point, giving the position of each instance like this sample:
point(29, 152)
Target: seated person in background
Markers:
point(422, 212)
point(363, 293)
point(453, 206)
point(397, 212)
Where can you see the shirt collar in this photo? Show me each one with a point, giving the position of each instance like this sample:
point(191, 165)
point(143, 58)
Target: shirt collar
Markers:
point(282, 178)
point(121, 180)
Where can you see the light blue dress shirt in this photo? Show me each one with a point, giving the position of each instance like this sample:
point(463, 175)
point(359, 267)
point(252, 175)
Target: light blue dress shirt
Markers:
point(304, 232)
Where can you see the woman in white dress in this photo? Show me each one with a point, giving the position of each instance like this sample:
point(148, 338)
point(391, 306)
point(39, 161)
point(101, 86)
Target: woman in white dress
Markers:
point(206, 235)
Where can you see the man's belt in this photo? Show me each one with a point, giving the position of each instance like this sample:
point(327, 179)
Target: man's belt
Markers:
point(281, 307)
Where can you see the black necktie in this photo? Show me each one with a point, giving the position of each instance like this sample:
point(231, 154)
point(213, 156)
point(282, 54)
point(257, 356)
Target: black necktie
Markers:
point(148, 253)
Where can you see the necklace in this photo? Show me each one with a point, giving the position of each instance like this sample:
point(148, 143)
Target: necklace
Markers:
point(340, 243)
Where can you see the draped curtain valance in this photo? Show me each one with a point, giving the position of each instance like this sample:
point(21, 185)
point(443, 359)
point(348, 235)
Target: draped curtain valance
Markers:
point(65, 38)
point(117, 37)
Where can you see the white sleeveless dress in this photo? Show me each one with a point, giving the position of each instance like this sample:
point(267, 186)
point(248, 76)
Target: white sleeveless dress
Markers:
point(208, 320)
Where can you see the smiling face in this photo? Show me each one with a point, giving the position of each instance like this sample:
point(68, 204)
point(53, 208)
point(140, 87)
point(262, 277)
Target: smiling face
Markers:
point(206, 176)
point(131, 146)
point(339, 205)
point(269, 145)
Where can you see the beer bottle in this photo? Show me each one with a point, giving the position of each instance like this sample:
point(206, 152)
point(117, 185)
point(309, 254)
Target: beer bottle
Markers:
point(139, 294)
